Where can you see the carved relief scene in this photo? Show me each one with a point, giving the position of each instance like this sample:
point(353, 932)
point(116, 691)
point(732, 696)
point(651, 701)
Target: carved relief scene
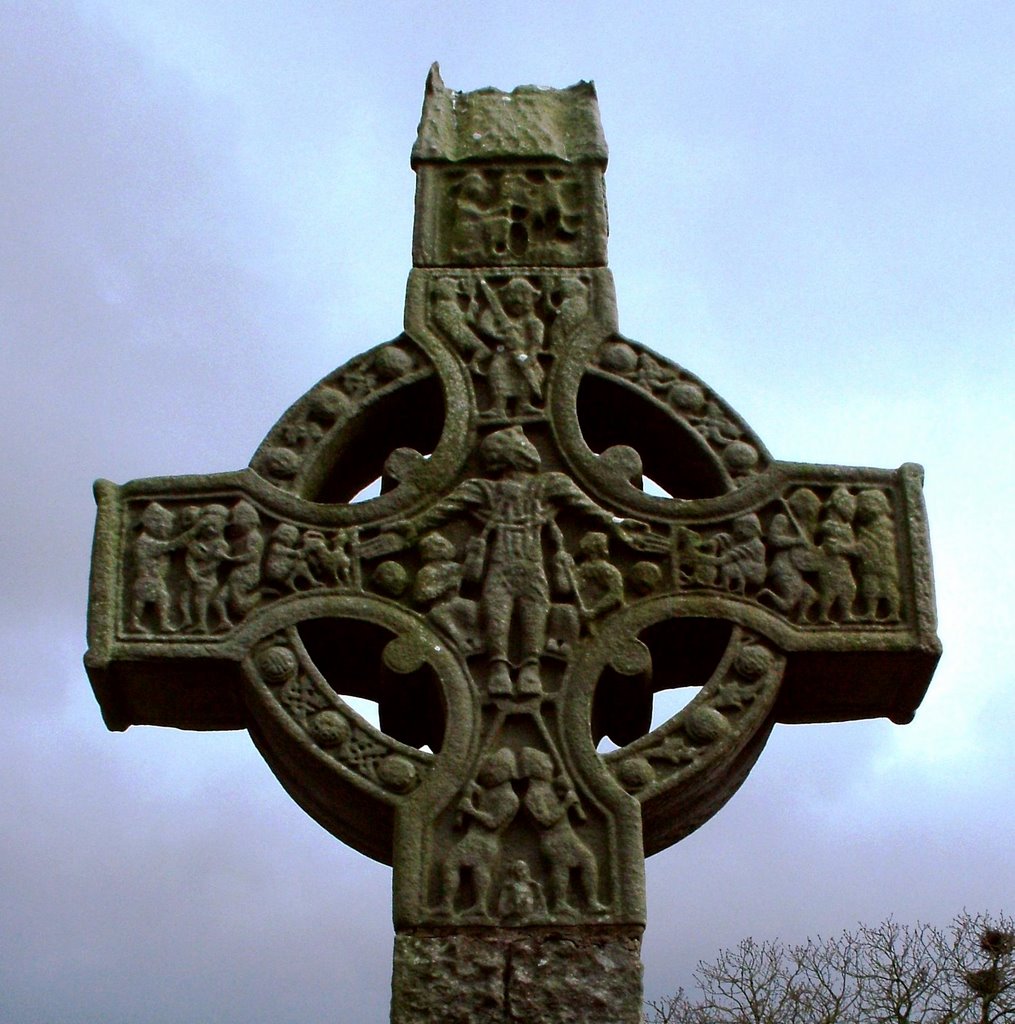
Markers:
point(491, 569)
point(506, 330)
point(519, 845)
point(821, 556)
point(201, 568)
point(515, 564)
point(518, 214)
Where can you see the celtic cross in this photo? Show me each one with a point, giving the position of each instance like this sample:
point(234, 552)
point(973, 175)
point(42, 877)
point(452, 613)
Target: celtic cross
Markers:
point(514, 594)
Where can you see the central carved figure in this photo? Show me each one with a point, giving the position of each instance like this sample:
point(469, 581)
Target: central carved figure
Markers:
point(514, 595)
point(516, 505)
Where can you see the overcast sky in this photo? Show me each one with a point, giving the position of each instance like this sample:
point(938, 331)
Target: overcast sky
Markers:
point(207, 206)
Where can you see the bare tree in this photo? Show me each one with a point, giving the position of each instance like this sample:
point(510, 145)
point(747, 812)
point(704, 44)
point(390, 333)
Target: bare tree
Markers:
point(901, 975)
point(982, 954)
point(881, 974)
point(673, 1009)
point(755, 983)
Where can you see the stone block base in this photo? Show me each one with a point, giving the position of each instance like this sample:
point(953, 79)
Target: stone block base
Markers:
point(509, 976)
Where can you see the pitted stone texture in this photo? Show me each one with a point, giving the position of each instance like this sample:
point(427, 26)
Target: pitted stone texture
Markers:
point(503, 976)
point(527, 123)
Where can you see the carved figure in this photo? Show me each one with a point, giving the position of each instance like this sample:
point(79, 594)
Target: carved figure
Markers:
point(437, 584)
point(742, 557)
point(510, 320)
point(452, 319)
point(600, 584)
point(521, 899)
point(572, 309)
point(285, 564)
point(549, 801)
point(515, 503)
point(488, 807)
point(242, 585)
point(877, 569)
point(696, 556)
point(836, 585)
point(206, 550)
point(791, 544)
point(152, 554)
point(469, 236)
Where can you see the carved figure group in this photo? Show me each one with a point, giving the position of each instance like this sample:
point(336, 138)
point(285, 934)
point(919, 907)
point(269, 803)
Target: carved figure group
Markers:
point(512, 213)
point(821, 561)
point(205, 567)
point(518, 559)
point(846, 545)
point(486, 811)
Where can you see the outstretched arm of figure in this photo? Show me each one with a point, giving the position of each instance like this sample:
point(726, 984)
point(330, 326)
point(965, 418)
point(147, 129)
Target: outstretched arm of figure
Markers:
point(632, 532)
point(466, 497)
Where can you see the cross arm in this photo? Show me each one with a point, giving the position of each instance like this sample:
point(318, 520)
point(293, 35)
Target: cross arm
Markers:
point(185, 571)
point(138, 676)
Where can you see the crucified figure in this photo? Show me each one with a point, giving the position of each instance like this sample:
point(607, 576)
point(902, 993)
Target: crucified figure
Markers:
point(516, 504)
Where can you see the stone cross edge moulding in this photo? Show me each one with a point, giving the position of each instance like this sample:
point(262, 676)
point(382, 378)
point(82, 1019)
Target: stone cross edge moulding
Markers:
point(513, 594)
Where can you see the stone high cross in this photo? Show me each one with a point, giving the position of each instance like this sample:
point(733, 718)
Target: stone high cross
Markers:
point(514, 594)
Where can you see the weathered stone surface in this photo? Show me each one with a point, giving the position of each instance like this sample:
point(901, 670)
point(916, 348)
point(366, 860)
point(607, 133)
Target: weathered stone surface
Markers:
point(514, 594)
point(502, 976)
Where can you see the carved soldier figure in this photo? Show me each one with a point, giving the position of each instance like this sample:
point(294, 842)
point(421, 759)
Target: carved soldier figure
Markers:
point(484, 812)
point(549, 801)
point(791, 542)
point(510, 320)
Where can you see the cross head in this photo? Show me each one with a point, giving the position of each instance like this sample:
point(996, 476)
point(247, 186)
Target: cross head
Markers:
point(516, 592)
